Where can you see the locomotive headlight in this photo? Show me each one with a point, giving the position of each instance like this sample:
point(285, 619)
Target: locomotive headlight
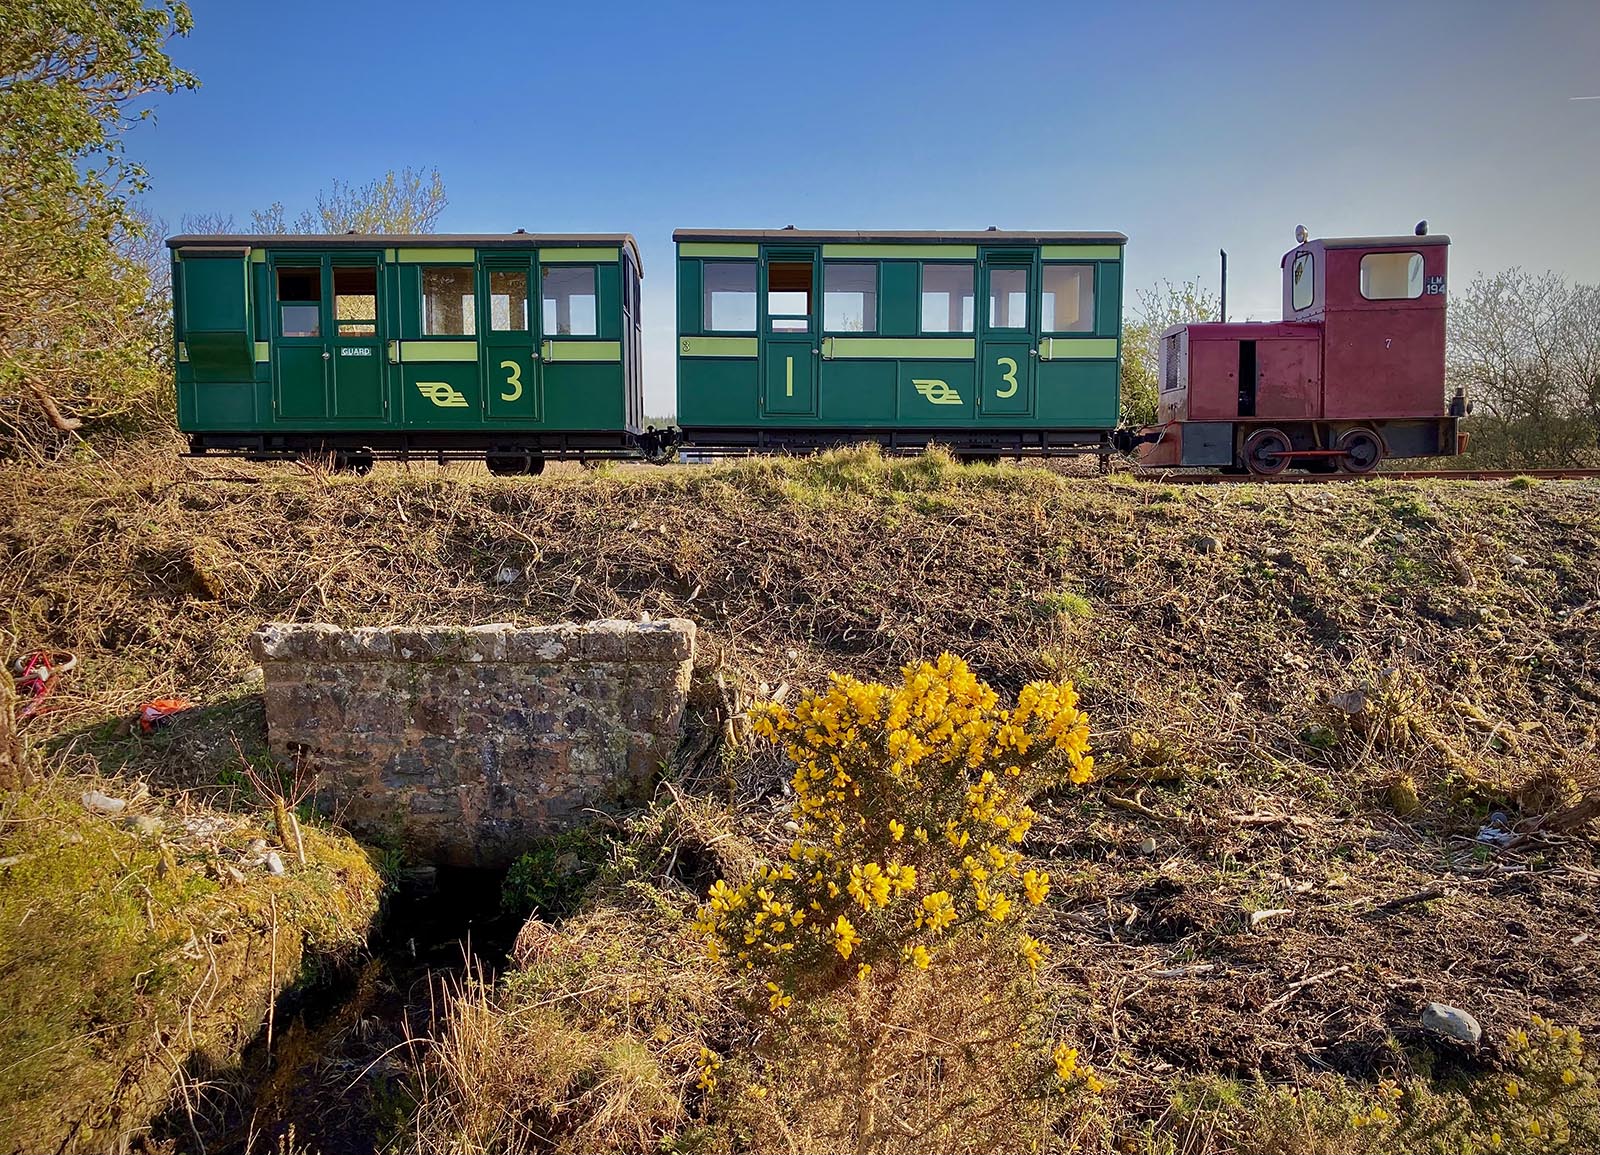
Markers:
point(1300, 235)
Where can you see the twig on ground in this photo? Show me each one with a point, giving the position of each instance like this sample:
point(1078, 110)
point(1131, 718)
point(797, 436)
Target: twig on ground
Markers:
point(1295, 988)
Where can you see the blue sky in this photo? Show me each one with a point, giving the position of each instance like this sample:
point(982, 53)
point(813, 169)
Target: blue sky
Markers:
point(1189, 127)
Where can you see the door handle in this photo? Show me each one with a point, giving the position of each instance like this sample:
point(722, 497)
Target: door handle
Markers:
point(1033, 352)
point(814, 352)
point(327, 356)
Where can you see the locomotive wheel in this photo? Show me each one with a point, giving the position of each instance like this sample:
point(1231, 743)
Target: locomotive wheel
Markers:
point(506, 464)
point(535, 464)
point(1266, 452)
point(357, 462)
point(1362, 451)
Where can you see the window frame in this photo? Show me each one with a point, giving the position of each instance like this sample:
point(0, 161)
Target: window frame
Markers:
point(315, 268)
point(1005, 265)
point(490, 271)
point(1294, 288)
point(594, 286)
point(971, 264)
point(1094, 297)
point(877, 297)
point(470, 267)
point(751, 263)
point(1422, 267)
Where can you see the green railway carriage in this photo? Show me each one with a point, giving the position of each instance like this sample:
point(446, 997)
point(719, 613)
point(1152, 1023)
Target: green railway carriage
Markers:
point(516, 347)
point(989, 342)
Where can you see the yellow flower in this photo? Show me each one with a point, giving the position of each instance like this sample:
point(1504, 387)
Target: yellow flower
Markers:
point(777, 1000)
point(1033, 952)
point(1511, 1088)
point(1035, 884)
point(844, 937)
point(897, 829)
point(999, 907)
point(938, 911)
point(863, 970)
point(918, 956)
point(1065, 1059)
point(1568, 1077)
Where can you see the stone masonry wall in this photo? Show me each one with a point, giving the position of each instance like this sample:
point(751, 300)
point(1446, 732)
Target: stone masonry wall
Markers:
point(466, 744)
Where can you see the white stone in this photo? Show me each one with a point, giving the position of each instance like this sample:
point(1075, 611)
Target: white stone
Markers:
point(102, 803)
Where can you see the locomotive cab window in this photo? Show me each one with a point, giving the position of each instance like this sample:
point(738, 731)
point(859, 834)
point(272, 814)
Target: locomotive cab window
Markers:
point(849, 297)
point(789, 296)
point(448, 302)
point(1302, 276)
point(1008, 298)
point(728, 296)
point(1391, 276)
point(300, 301)
point(355, 301)
point(947, 300)
point(508, 302)
point(569, 301)
point(1067, 299)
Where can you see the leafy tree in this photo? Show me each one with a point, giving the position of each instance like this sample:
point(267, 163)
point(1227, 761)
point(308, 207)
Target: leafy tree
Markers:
point(1526, 349)
point(405, 202)
point(1160, 308)
point(74, 76)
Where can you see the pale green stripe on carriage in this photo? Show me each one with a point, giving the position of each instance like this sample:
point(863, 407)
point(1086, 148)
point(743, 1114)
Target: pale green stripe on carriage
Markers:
point(1077, 348)
point(263, 351)
point(258, 256)
point(559, 351)
point(908, 252)
point(717, 346)
point(414, 351)
point(1081, 252)
point(432, 256)
point(716, 249)
point(577, 256)
point(899, 348)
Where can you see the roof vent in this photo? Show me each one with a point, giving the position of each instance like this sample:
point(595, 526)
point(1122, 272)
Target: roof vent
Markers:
point(349, 232)
point(991, 229)
point(788, 228)
point(1422, 228)
point(521, 232)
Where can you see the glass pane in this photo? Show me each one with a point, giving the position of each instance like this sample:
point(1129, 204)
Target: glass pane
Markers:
point(1067, 302)
point(355, 301)
point(508, 302)
point(728, 298)
point(1304, 281)
point(947, 298)
point(569, 302)
point(1008, 298)
point(448, 304)
point(1391, 276)
point(789, 295)
point(301, 320)
point(849, 298)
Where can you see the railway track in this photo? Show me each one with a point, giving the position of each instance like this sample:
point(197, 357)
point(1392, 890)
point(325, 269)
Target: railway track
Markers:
point(1172, 477)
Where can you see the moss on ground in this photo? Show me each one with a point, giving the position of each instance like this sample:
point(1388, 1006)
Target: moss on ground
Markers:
point(129, 958)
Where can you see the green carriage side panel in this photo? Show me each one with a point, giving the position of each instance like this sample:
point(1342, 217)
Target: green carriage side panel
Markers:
point(214, 315)
point(1080, 394)
point(584, 395)
point(1108, 299)
point(718, 390)
point(858, 392)
point(898, 305)
point(689, 289)
point(936, 392)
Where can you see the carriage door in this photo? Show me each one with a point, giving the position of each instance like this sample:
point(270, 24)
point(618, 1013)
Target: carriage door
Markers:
point(355, 350)
point(1008, 343)
point(510, 344)
point(300, 350)
point(790, 324)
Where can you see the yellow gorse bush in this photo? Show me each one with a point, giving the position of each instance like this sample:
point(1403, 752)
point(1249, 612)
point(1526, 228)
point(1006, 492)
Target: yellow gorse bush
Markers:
point(911, 801)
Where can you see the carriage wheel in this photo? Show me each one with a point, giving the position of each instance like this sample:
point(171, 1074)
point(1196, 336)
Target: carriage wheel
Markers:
point(506, 464)
point(1362, 451)
point(1266, 452)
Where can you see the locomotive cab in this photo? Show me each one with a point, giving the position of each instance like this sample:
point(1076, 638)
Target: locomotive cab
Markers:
point(1352, 375)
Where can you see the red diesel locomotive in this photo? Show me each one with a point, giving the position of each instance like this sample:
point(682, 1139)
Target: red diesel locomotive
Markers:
point(1353, 374)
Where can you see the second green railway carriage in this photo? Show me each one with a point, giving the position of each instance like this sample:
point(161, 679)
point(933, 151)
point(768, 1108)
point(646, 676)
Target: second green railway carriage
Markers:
point(990, 342)
point(513, 347)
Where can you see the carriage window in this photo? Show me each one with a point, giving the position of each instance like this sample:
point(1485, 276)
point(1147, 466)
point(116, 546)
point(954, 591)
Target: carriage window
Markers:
point(1068, 299)
point(1008, 298)
point(569, 301)
point(447, 303)
point(947, 302)
point(355, 301)
point(1302, 276)
point(508, 302)
point(1391, 276)
point(849, 298)
point(728, 301)
point(300, 301)
point(789, 296)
